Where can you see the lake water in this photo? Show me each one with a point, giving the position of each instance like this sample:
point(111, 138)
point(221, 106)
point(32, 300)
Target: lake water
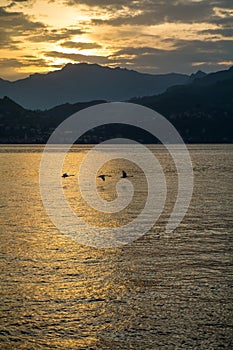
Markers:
point(159, 292)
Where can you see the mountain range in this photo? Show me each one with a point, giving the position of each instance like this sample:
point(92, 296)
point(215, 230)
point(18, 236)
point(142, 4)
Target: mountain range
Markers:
point(201, 110)
point(85, 82)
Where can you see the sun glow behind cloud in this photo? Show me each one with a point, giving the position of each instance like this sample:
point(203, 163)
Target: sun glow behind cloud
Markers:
point(38, 36)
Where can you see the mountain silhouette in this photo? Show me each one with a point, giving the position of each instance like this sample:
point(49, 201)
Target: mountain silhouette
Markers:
point(198, 75)
point(85, 82)
point(212, 91)
point(202, 112)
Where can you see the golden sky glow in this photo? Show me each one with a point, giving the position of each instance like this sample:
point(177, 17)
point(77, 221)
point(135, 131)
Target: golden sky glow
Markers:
point(146, 35)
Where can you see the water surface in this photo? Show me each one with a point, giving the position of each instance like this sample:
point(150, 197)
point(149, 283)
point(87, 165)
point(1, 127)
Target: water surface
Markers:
point(160, 292)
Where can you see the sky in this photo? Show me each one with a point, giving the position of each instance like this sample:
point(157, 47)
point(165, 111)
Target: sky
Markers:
point(153, 36)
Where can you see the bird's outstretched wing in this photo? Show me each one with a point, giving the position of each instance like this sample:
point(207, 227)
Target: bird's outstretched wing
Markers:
point(66, 175)
point(102, 177)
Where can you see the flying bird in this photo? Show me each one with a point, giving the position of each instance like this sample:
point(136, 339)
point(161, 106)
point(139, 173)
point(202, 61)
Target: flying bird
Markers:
point(124, 174)
point(66, 175)
point(103, 176)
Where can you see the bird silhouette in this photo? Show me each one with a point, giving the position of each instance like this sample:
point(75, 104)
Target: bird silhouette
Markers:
point(103, 176)
point(124, 174)
point(66, 175)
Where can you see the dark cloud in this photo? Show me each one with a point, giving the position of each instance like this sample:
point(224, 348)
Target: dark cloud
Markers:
point(224, 32)
point(13, 3)
point(54, 35)
point(10, 66)
point(225, 4)
point(80, 45)
point(157, 13)
point(103, 3)
point(147, 3)
point(10, 63)
point(15, 25)
point(8, 43)
point(17, 28)
point(78, 57)
point(132, 51)
point(149, 12)
point(20, 1)
point(184, 58)
point(224, 22)
point(17, 22)
point(185, 54)
point(22, 62)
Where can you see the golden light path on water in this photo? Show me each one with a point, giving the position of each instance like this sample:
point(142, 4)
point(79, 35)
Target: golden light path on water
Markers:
point(160, 292)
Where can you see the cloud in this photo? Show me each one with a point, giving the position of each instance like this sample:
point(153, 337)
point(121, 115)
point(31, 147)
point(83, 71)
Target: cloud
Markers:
point(8, 43)
point(13, 68)
point(186, 55)
point(150, 12)
point(224, 32)
point(18, 25)
point(26, 61)
point(175, 55)
point(10, 63)
point(222, 22)
point(54, 35)
point(18, 21)
point(147, 3)
point(80, 45)
point(15, 25)
point(157, 13)
point(102, 3)
point(140, 34)
point(182, 58)
point(78, 57)
point(15, 2)
point(225, 4)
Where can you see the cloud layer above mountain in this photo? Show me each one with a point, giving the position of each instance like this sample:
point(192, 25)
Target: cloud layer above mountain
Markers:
point(145, 35)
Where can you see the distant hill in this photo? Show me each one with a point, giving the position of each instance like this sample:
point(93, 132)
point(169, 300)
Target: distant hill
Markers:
point(202, 112)
point(19, 125)
point(211, 78)
point(198, 75)
point(85, 82)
